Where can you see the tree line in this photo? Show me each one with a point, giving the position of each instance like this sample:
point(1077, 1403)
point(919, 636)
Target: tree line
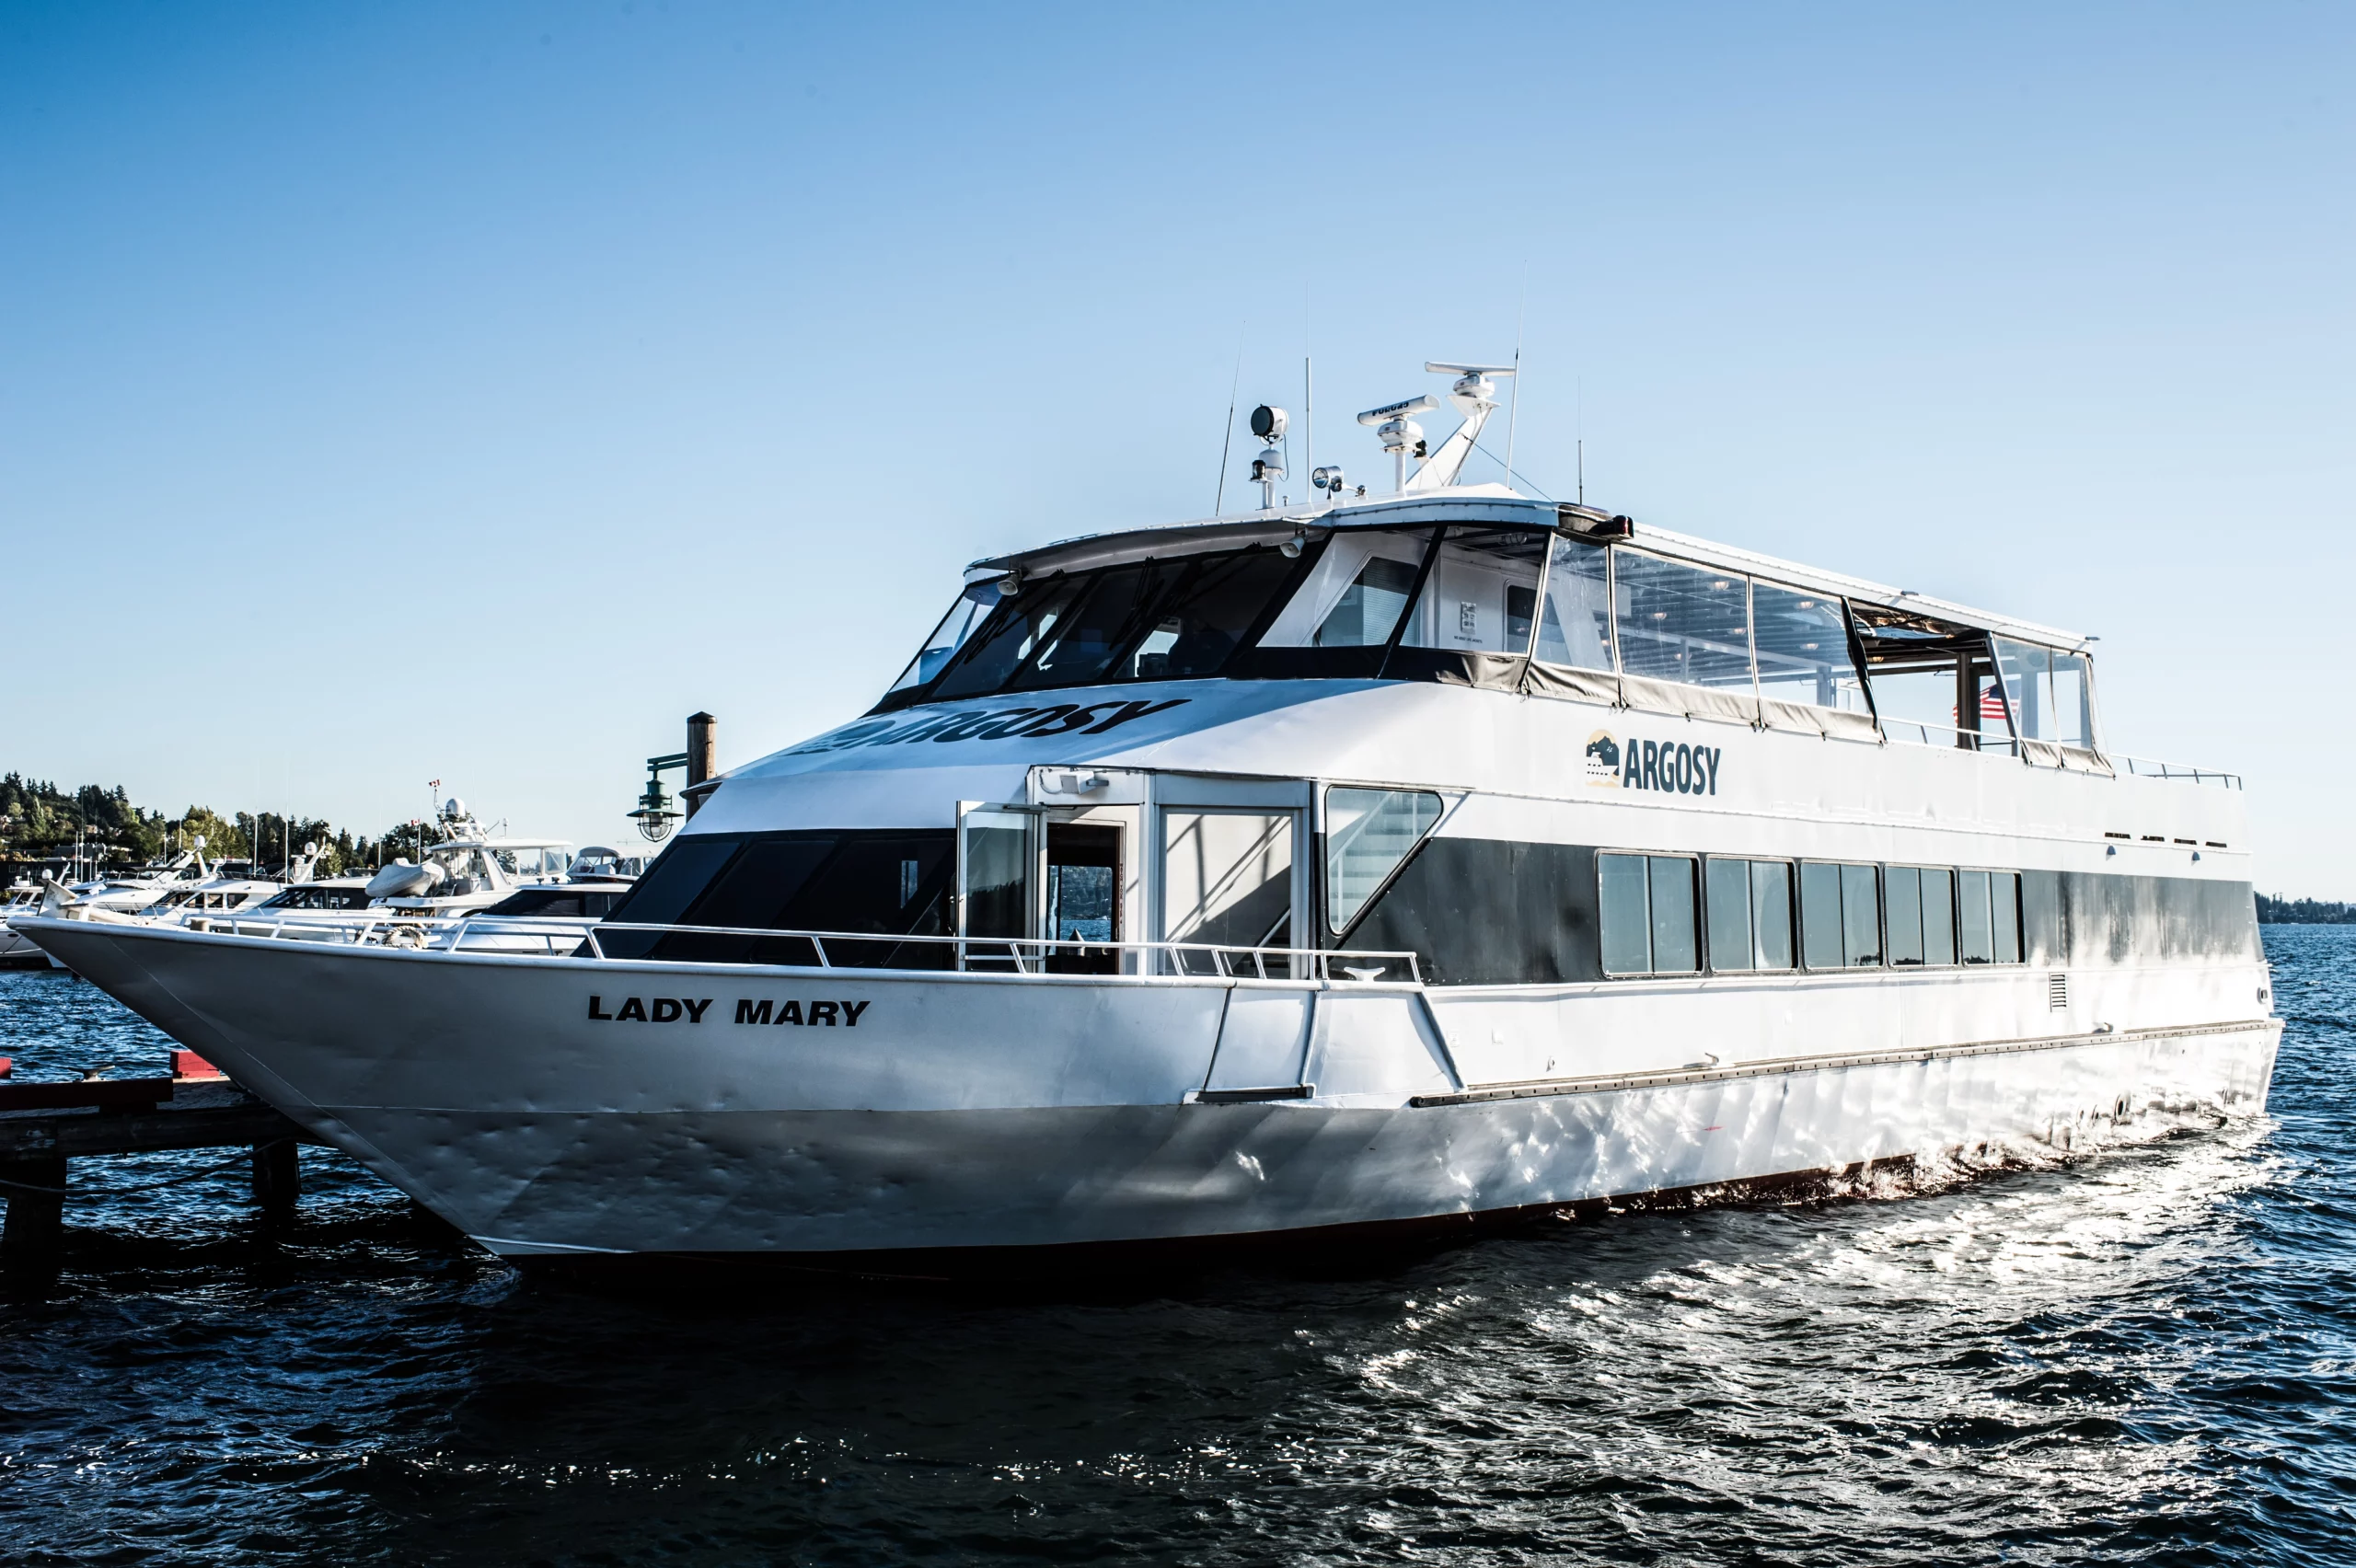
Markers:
point(40, 822)
point(2303, 912)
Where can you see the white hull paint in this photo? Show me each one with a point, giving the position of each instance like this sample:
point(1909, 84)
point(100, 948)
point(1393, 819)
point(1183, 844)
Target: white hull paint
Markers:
point(482, 1087)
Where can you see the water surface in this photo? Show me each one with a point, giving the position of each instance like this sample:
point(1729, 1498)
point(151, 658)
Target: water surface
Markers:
point(2147, 1355)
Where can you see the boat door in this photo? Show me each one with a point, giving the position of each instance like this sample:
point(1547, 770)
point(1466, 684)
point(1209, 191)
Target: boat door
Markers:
point(1233, 858)
point(1230, 858)
point(997, 893)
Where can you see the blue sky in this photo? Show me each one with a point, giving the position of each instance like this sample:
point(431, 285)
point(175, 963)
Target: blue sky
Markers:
point(471, 391)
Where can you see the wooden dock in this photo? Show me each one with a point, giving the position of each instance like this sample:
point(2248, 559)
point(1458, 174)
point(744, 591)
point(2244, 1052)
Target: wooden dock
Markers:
point(44, 1126)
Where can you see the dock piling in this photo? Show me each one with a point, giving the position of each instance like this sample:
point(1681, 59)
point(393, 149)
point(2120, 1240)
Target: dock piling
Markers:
point(278, 1174)
point(32, 1238)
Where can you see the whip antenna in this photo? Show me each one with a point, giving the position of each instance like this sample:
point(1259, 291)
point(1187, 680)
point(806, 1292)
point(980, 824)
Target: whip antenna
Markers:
point(1513, 409)
point(1228, 441)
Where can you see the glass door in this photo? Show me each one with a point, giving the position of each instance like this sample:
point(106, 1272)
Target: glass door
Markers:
point(1227, 878)
point(995, 887)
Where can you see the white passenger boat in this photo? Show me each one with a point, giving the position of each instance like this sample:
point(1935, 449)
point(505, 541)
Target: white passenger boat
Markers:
point(17, 950)
point(1387, 863)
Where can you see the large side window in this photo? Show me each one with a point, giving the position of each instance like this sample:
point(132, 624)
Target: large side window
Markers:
point(1839, 915)
point(1804, 649)
point(798, 880)
point(1987, 917)
point(1480, 594)
point(1921, 915)
point(1682, 623)
point(1749, 908)
point(1575, 627)
point(1368, 833)
point(2005, 908)
point(2052, 692)
point(1904, 885)
point(1356, 594)
point(1647, 911)
point(1860, 916)
point(1975, 933)
point(1938, 917)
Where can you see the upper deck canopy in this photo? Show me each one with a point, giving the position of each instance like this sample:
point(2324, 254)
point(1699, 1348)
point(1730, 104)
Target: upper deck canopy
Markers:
point(1477, 586)
point(1496, 504)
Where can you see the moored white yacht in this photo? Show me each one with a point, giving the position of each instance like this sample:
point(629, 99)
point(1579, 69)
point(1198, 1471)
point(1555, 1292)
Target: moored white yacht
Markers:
point(1402, 862)
point(411, 904)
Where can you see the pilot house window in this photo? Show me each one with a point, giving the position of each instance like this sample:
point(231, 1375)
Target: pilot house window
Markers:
point(1480, 593)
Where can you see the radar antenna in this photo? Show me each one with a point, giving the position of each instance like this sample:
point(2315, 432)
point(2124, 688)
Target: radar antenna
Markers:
point(1401, 435)
point(1475, 397)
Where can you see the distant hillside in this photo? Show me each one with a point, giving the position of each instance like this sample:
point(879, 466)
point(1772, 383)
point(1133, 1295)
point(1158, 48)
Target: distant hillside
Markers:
point(2303, 912)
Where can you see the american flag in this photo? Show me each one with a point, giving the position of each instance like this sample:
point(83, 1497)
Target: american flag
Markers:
point(1992, 706)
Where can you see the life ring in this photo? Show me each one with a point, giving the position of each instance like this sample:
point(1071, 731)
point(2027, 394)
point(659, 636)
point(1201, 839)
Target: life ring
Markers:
point(406, 937)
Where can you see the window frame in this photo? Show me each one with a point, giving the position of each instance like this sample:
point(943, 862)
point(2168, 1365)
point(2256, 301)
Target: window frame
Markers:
point(1324, 847)
point(1750, 912)
point(1954, 875)
point(1698, 927)
point(2020, 958)
point(1881, 916)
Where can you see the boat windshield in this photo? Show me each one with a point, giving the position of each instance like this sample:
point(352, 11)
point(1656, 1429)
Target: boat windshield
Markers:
point(1154, 619)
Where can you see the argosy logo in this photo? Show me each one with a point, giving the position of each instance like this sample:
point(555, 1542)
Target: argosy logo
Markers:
point(996, 724)
point(1680, 770)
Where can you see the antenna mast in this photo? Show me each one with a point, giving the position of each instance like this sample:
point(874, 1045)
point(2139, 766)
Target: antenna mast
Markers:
point(1308, 412)
point(1226, 440)
point(1513, 410)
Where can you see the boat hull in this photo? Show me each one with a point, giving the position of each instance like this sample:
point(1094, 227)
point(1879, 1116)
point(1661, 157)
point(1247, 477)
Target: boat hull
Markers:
point(968, 1117)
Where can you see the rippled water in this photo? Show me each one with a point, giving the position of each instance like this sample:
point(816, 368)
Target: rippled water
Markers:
point(2147, 1356)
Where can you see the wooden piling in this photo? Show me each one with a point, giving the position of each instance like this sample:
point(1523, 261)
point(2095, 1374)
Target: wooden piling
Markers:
point(703, 756)
point(32, 1238)
point(44, 1124)
point(278, 1174)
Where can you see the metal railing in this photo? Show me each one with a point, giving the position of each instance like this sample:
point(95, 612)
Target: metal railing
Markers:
point(2146, 768)
point(564, 938)
point(1918, 732)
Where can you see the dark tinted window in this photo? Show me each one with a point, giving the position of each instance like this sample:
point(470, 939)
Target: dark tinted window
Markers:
point(1208, 616)
point(891, 883)
point(679, 873)
point(1014, 632)
point(559, 903)
point(1101, 622)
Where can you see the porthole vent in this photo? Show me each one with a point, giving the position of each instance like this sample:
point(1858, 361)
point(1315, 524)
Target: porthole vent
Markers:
point(2057, 992)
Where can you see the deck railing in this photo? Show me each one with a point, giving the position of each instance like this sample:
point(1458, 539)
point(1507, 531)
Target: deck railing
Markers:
point(2146, 767)
point(561, 938)
point(2043, 754)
